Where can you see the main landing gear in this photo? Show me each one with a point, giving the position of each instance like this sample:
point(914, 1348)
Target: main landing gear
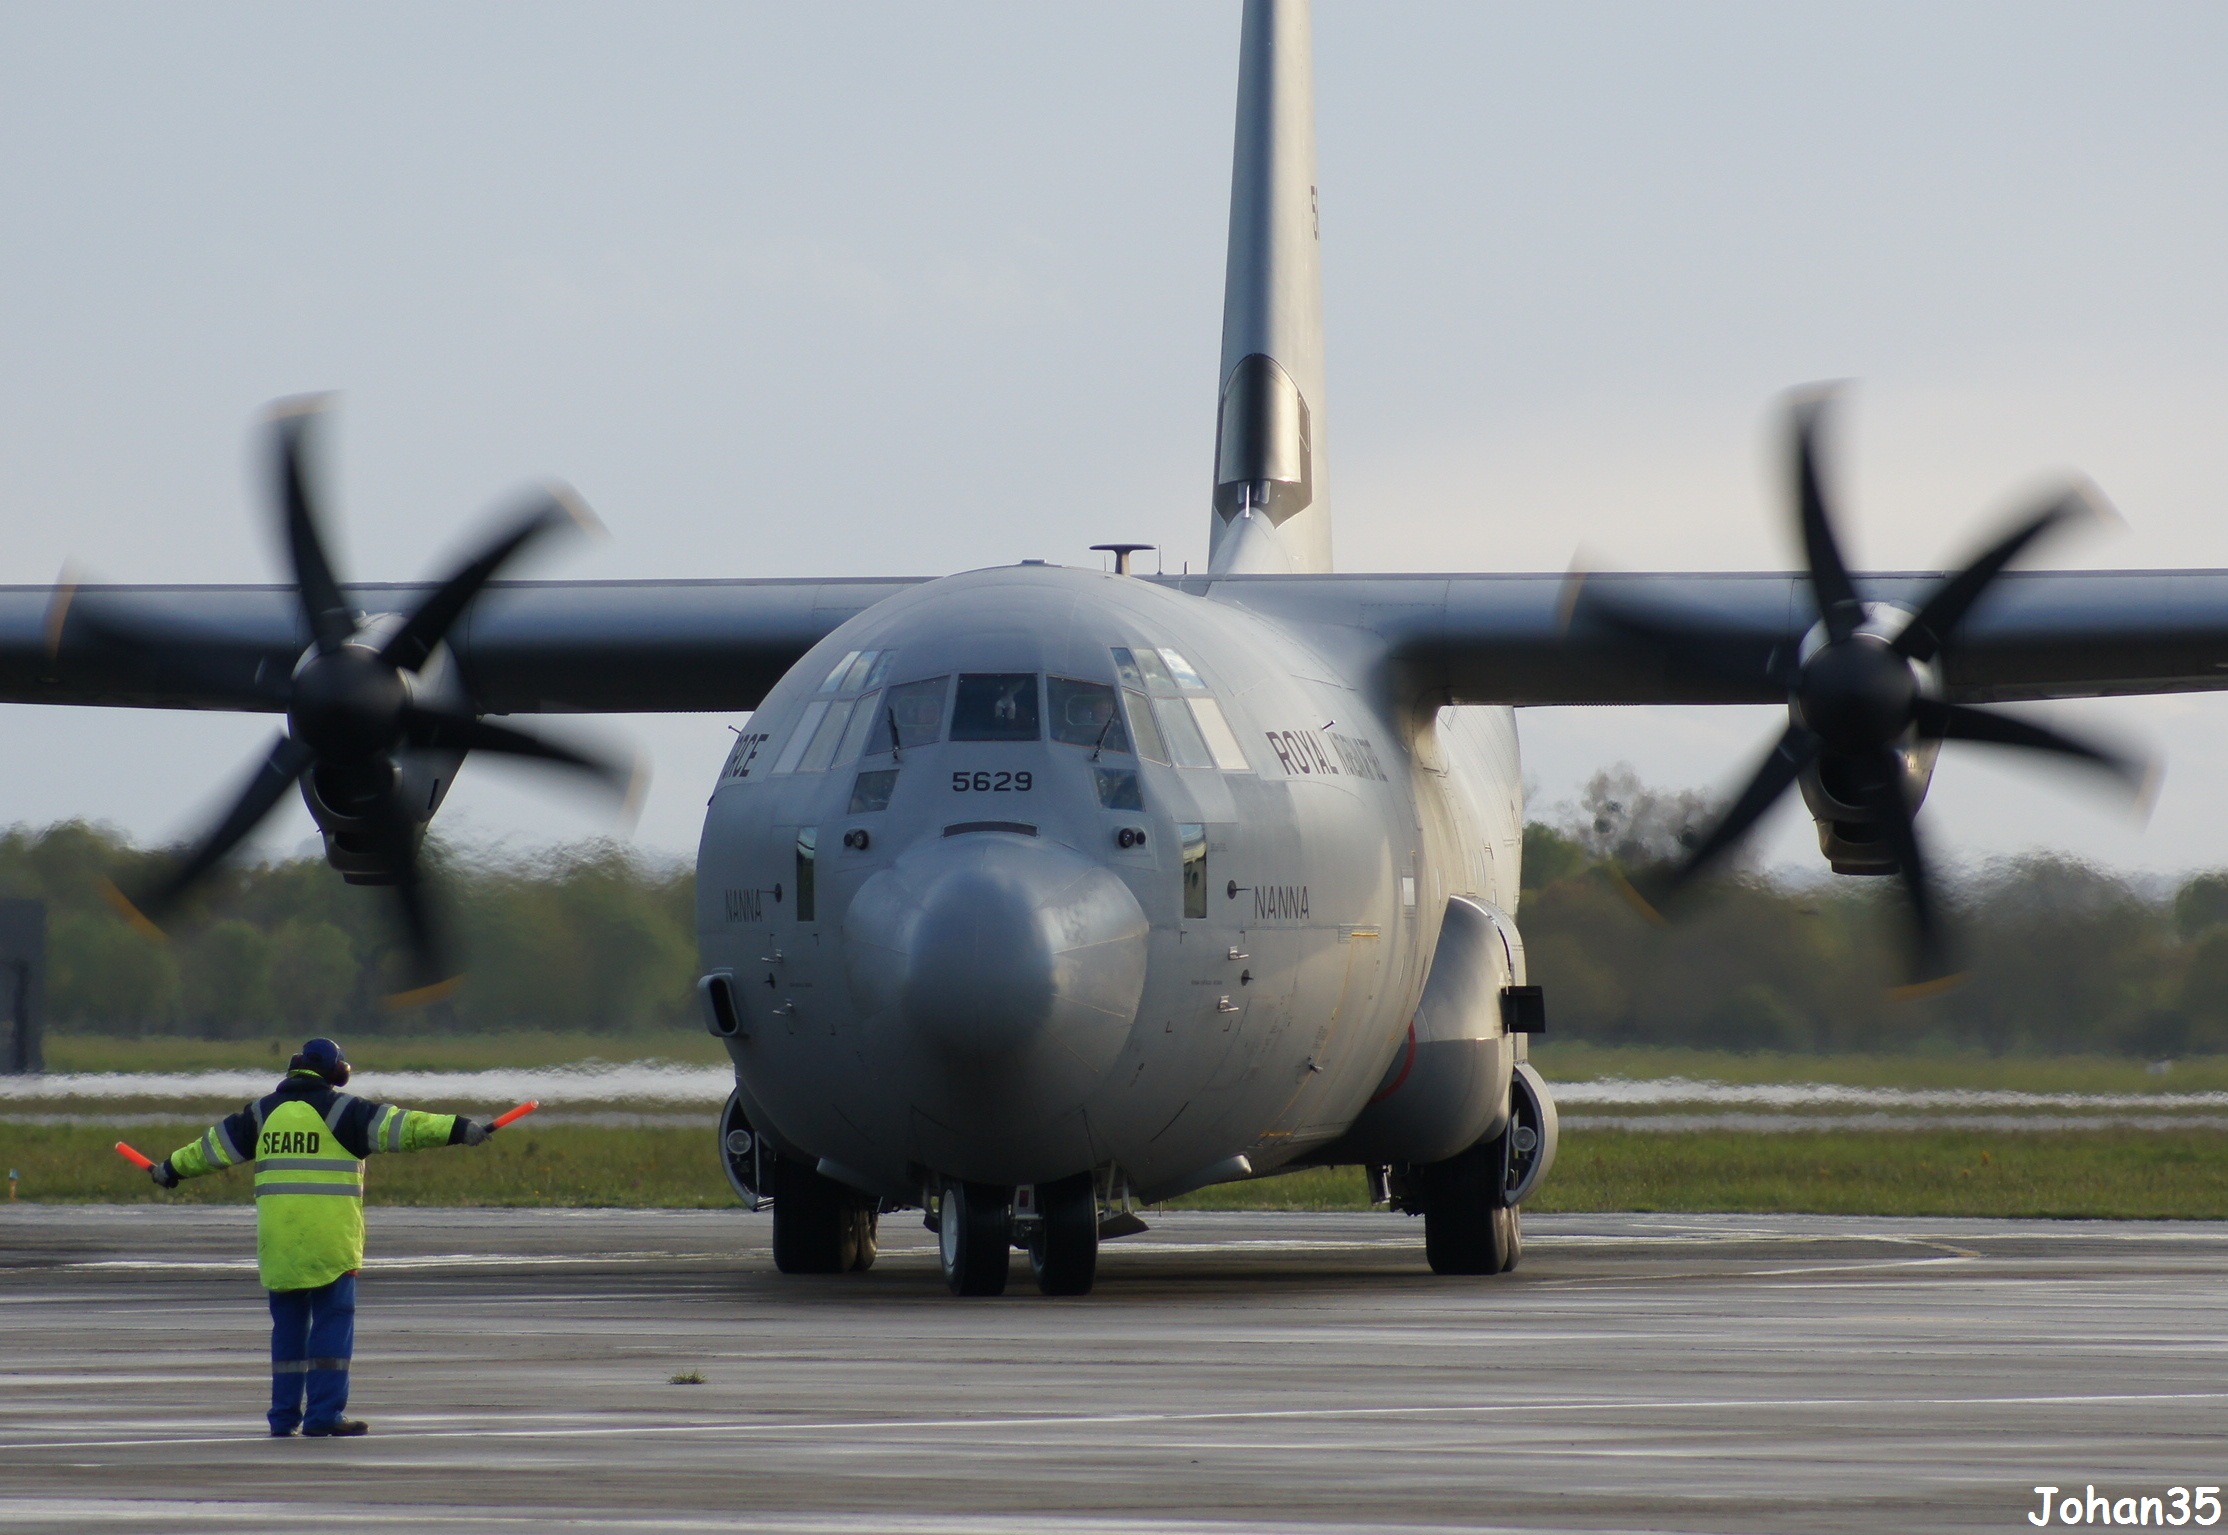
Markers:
point(978, 1226)
point(820, 1226)
point(1468, 1226)
point(1472, 1203)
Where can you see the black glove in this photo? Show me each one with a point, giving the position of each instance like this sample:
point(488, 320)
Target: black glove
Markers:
point(473, 1131)
point(165, 1176)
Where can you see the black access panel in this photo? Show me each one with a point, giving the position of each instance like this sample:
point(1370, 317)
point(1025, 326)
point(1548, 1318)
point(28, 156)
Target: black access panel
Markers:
point(22, 983)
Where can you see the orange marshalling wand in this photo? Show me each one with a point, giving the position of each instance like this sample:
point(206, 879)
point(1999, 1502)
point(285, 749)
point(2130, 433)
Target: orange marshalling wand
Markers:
point(520, 1112)
point(135, 1157)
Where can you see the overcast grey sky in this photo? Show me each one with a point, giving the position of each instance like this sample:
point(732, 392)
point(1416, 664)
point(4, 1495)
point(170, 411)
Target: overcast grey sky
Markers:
point(831, 289)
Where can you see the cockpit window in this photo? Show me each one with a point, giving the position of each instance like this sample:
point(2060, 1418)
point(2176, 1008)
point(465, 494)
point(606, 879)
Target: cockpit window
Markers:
point(914, 710)
point(1084, 714)
point(996, 706)
point(825, 737)
point(1180, 669)
point(858, 670)
point(1149, 744)
point(1155, 670)
point(1190, 722)
point(1185, 743)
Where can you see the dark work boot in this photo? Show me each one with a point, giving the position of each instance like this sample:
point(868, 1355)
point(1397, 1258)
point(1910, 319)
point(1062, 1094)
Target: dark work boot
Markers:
point(339, 1428)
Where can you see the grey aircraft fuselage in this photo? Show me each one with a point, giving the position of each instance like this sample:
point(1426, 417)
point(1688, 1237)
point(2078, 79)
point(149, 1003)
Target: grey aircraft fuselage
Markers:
point(961, 959)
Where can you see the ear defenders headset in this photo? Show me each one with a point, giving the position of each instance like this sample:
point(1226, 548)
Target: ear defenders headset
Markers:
point(323, 1057)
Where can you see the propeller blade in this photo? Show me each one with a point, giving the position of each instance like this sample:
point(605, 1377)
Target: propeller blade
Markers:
point(287, 760)
point(1924, 636)
point(432, 976)
point(1691, 644)
point(214, 669)
point(1891, 807)
point(1794, 751)
point(1962, 722)
point(440, 730)
point(557, 507)
point(330, 622)
point(1838, 605)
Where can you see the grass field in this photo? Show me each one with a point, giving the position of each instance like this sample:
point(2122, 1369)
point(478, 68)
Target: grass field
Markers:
point(1576, 1061)
point(2091, 1173)
point(2080, 1173)
point(575, 1166)
point(1566, 1061)
point(374, 1052)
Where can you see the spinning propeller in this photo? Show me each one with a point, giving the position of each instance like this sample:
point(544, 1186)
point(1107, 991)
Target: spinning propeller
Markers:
point(1864, 698)
point(361, 696)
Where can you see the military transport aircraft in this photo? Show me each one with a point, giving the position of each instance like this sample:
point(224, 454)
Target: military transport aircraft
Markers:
point(1029, 894)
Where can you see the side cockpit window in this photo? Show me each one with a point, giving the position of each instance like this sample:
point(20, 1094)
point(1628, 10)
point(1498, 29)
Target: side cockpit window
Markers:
point(831, 730)
point(1162, 686)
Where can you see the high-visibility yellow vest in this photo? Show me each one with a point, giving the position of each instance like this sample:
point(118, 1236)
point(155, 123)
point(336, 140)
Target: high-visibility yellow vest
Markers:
point(309, 1201)
point(309, 1187)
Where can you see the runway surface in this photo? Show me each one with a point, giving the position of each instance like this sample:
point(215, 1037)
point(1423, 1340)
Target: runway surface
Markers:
point(1233, 1373)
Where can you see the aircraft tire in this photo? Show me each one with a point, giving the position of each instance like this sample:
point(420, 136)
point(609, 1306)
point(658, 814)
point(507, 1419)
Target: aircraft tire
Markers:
point(1516, 1239)
point(815, 1230)
point(1466, 1227)
point(974, 1237)
point(1065, 1251)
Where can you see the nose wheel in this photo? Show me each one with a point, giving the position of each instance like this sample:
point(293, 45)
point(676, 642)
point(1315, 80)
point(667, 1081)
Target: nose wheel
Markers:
point(1064, 1248)
point(974, 1237)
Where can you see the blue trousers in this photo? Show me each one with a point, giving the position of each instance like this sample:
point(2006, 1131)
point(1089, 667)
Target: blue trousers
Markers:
point(313, 1333)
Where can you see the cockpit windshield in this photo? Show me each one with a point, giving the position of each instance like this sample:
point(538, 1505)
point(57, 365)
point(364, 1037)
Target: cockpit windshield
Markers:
point(996, 706)
point(1084, 714)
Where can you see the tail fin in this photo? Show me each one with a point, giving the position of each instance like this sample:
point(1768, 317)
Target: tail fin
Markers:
point(1270, 510)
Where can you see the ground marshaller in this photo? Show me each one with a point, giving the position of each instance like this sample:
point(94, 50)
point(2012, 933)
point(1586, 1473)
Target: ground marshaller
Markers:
point(308, 1140)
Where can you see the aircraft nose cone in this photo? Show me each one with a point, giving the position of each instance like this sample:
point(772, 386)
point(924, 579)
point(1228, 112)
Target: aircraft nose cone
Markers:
point(1001, 955)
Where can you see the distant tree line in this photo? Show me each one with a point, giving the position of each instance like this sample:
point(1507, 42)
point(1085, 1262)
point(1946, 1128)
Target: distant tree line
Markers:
point(587, 937)
point(2060, 956)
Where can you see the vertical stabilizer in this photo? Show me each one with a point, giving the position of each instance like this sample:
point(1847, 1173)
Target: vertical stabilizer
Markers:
point(1270, 513)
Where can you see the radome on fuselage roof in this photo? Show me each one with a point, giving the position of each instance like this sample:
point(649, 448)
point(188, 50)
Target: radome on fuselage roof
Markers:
point(1028, 895)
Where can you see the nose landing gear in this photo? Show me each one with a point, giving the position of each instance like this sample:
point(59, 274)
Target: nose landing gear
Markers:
point(974, 1237)
point(1064, 1240)
point(979, 1224)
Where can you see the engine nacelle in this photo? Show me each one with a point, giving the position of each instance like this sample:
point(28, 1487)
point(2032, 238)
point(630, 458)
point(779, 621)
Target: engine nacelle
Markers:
point(1847, 833)
point(346, 807)
point(1833, 787)
point(1448, 1088)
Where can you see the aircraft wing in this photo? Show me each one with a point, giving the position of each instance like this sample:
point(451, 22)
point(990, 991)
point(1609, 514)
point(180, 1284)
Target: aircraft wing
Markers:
point(524, 647)
point(719, 645)
point(1523, 640)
